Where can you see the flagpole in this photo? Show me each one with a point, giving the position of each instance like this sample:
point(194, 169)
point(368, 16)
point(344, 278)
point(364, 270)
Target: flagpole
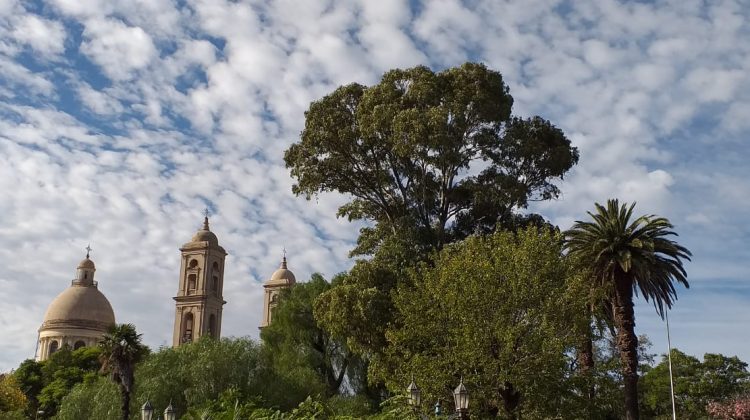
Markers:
point(669, 358)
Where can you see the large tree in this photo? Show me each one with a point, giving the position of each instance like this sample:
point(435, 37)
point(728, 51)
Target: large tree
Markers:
point(496, 309)
point(625, 256)
point(121, 350)
point(434, 155)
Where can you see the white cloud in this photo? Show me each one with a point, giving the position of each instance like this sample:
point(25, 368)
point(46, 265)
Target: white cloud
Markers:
point(43, 35)
point(118, 49)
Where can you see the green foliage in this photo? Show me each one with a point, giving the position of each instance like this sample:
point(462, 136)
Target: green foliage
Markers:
point(496, 310)
point(97, 398)
point(717, 379)
point(30, 381)
point(403, 150)
point(192, 375)
point(12, 399)
point(300, 349)
point(611, 245)
point(46, 383)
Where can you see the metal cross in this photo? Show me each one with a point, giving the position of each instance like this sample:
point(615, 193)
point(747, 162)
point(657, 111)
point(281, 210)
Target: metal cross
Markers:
point(88, 250)
point(206, 212)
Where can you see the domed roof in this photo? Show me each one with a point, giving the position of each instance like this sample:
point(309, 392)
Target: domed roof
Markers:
point(205, 235)
point(86, 263)
point(282, 277)
point(80, 303)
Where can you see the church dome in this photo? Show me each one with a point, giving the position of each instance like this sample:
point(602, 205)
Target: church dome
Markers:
point(80, 305)
point(282, 277)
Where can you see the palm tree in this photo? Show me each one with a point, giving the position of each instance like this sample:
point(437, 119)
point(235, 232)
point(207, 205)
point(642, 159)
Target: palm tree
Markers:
point(625, 257)
point(121, 350)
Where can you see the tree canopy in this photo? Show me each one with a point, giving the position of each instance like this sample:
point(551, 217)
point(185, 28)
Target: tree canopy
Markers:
point(436, 155)
point(497, 310)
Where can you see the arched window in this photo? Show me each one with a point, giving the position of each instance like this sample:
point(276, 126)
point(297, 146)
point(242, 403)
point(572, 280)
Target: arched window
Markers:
point(187, 333)
point(191, 282)
point(212, 325)
point(79, 344)
point(215, 284)
point(53, 346)
point(215, 267)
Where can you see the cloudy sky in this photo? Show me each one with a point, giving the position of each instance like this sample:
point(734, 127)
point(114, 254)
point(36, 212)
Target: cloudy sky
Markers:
point(121, 120)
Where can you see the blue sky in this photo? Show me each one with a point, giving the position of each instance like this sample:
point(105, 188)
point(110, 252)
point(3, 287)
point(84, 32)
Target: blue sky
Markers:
point(121, 120)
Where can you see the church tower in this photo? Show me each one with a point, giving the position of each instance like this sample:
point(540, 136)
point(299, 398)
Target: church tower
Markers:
point(199, 297)
point(281, 279)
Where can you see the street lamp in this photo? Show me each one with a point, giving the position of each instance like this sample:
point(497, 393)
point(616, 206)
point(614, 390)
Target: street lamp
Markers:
point(461, 398)
point(415, 395)
point(147, 412)
point(169, 413)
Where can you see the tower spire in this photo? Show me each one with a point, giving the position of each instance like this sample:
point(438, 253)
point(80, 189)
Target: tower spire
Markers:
point(283, 258)
point(205, 219)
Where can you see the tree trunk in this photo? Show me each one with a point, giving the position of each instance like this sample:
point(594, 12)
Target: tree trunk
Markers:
point(585, 356)
point(586, 363)
point(125, 403)
point(627, 342)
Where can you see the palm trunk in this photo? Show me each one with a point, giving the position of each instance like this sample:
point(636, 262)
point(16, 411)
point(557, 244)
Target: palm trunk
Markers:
point(125, 403)
point(627, 342)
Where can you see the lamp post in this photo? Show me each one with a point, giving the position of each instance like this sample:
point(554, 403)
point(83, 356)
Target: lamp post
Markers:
point(147, 412)
point(169, 413)
point(414, 394)
point(460, 397)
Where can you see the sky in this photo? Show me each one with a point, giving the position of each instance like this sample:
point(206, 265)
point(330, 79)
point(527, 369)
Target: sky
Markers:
point(121, 120)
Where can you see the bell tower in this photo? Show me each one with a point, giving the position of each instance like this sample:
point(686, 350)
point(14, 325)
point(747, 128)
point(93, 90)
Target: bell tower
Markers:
point(281, 279)
point(199, 297)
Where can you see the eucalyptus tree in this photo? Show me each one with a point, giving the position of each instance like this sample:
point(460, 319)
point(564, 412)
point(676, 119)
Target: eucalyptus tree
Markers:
point(625, 256)
point(436, 155)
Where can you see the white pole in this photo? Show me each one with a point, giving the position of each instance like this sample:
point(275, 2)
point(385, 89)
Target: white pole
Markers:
point(669, 358)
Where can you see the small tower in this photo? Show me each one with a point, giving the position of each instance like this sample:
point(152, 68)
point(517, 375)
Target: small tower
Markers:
point(280, 279)
point(199, 297)
point(78, 317)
